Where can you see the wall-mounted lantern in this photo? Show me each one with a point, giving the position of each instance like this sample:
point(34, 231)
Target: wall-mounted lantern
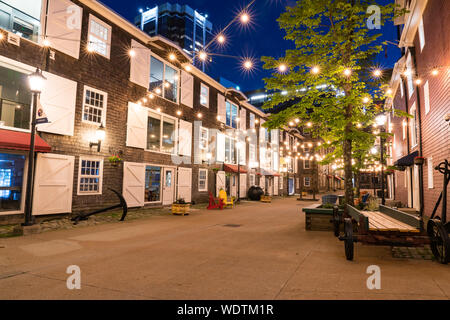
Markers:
point(100, 135)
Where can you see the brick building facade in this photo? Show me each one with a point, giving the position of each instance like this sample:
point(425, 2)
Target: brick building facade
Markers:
point(421, 87)
point(176, 129)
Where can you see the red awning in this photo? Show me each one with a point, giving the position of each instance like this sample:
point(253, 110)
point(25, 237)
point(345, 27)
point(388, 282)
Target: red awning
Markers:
point(15, 140)
point(233, 168)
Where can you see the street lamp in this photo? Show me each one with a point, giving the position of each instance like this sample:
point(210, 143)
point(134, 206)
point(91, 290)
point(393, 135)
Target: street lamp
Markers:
point(36, 82)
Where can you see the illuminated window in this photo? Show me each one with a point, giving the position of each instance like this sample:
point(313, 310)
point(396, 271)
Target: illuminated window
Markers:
point(90, 176)
point(99, 37)
point(94, 106)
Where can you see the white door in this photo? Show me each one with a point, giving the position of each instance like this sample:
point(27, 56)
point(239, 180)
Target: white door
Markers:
point(184, 183)
point(269, 186)
point(408, 186)
point(233, 187)
point(243, 186)
point(168, 186)
point(53, 184)
point(134, 184)
point(276, 186)
point(220, 182)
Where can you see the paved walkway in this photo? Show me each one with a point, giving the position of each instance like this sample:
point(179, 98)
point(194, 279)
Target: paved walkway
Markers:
point(256, 251)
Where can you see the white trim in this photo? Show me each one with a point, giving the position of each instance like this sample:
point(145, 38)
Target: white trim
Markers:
point(100, 176)
point(204, 86)
point(413, 126)
point(175, 138)
point(105, 104)
point(108, 41)
point(206, 180)
point(178, 80)
point(426, 97)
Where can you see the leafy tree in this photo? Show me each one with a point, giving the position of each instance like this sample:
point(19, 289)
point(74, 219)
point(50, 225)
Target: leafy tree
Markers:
point(324, 79)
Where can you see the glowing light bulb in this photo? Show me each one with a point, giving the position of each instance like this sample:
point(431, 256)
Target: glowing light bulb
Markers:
point(418, 81)
point(377, 73)
point(309, 124)
point(172, 57)
point(221, 39)
point(46, 43)
point(366, 100)
point(245, 18)
point(248, 64)
point(315, 70)
point(389, 91)
point(199, 115)
point(202, 55)
point(347, 72)
point(282, 67)
point(132, 53)
point(1, 36)
point(434, 72)
point(179, 113)
point(291, 124)
point(188, 68)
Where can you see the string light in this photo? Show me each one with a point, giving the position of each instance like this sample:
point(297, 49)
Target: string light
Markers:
point(315, 70)
point(347, 72)
point(245, 18)
point(418, 82)
point(366, 100)
point(202, 55)
point(248, 64)
point(179, 113)
point(297, 120)
point(46, 43)
point(282, 68)
point(377, 73)
point(158, 109)
point(172, 57)
point(199, 115)
point(309, 124)
point(2, 36)
point(435, 72)
point(221, 39)
point(132, 53)
point(188, 68)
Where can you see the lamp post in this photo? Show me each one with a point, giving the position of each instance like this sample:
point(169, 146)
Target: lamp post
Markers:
point(36, 83)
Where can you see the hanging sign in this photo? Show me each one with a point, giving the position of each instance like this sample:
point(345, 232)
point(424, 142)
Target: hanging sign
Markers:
point(41, 117)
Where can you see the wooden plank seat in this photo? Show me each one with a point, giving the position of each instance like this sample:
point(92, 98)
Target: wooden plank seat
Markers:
point(381, 222)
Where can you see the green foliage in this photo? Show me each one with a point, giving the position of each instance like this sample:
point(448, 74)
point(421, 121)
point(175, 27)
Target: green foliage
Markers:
point(332, 35)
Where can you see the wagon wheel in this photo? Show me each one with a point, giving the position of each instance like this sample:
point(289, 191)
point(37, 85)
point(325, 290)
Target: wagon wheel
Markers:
point(348, 240)
point(336, 222)
point(439, 241)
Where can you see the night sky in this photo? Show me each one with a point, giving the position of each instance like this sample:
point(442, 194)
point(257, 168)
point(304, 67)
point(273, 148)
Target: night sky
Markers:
point(263, 38)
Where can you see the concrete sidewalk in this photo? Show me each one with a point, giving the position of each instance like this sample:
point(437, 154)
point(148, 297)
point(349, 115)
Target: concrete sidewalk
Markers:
point(256, 251)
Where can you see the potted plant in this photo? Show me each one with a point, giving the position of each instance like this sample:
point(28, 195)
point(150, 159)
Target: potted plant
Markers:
point(419, 161)
point(180, 207)
point(115, 160)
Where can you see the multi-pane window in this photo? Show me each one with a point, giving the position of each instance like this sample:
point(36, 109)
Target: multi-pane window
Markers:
point(90, 176)
point(231, 114)
point(21, 18)
point(161, 133)
point(15, 98)
point(204, 95)
point(307, 181)
point(203, 180)
point(164, 80)
point(203, 138)
point(230, 150)
point(94, 105)
point(252, 121)
point(307, 164)
point(99, 37)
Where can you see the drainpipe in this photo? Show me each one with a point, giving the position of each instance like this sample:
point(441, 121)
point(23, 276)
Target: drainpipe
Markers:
point(419, 115)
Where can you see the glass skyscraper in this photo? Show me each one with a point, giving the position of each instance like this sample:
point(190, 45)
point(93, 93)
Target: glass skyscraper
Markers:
point(178, 23)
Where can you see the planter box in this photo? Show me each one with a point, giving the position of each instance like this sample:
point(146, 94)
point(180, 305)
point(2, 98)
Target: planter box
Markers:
point(318, 218)
point(181, 209)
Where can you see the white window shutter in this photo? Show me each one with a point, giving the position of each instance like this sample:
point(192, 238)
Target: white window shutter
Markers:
point(64, 26)
point(187, 89)
point(53, 184)
point(221, 108)
point(243, 153)
point(184, 183)
point(134, 184)
point(58, 100)
point(243, 119)
point(243, 186)
point(140, 65)
point(137, 126)
point(185, 138)
point(220, 149)
point(220, 182)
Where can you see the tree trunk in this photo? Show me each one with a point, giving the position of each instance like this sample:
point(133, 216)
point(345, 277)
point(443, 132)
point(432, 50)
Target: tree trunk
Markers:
point(348, 170)
point(358, 184)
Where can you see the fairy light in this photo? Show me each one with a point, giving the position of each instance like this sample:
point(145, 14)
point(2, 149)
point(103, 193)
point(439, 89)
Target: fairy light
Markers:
point(2, 36)
point(151, 96)
point(158, 91)
point(203, 56)
point(418, 82)
point(377, 73)
point(389, 91)
point(46, 43)
point(132, 53)
point(158, 110)
point(172, 57)
point(248, 64)
point(297, 120)
point(366, 100)
point(347, 72)
point(179, 113)
point(291, 124)
point(315, 70)
point(435, 72)
point(282, 68)
point(188, 68)
point(199, 115)
point(221, 39)
point(245, 18)
point(309, 124)
point(359, 125)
